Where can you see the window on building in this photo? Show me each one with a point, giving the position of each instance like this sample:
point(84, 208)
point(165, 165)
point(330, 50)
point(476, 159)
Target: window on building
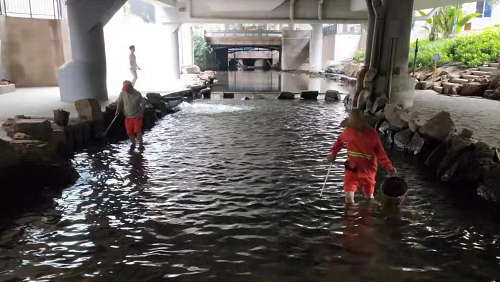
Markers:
point(483, 8)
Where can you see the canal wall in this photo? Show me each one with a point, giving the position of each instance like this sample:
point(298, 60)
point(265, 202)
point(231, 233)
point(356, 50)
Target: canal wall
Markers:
point(469, 166)
point(36, 151)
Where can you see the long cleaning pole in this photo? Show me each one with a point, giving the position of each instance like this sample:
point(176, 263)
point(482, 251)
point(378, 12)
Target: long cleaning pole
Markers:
point(326, 179)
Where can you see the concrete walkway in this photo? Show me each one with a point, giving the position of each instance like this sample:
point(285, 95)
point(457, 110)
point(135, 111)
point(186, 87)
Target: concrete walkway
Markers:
point(478, 114)
point(41, 101)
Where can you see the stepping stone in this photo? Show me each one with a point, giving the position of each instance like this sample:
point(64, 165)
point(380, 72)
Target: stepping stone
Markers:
point(481, 73)
point(438, 89)
point(459, 80)
point(470, 76)
point(494, 65)
point(489, 69)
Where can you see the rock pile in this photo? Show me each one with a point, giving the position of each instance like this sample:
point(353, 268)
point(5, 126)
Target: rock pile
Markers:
point(458, 159)
point(481, 82)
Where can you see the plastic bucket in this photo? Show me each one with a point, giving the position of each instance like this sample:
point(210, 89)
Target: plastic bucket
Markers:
point(394, 190)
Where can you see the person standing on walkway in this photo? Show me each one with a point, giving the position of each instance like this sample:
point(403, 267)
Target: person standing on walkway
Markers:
point(133, 64)
point(133, 105)
point(364, 150)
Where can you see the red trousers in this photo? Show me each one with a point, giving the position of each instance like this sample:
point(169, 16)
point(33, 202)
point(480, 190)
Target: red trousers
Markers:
point(352, 182)
point(133, 126)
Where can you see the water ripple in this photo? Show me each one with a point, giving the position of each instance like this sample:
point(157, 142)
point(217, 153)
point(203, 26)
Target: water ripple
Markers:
point(229, 190)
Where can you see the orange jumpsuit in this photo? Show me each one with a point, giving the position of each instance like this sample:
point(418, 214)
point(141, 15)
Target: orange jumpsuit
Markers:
point(364, 149)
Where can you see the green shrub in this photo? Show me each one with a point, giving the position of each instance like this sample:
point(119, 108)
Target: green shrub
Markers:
point(473, 49)
point(359, 57)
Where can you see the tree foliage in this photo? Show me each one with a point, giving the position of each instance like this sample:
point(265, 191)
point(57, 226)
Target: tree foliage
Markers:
point(473, 49)
point(201, 51)
point(443, 22)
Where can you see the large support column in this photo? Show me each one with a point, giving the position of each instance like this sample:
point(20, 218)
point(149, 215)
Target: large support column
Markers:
point(393, 78)
point(175, 53)
point(85, 75)
point(316, 48)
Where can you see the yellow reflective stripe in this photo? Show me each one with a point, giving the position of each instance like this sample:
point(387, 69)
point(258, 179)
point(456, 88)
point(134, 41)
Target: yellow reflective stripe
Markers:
point(359, 155)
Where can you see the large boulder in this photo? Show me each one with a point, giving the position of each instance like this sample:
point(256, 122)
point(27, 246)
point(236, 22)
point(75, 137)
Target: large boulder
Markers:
point(309, 95)
point(490, 189)
point(379, 104)
point(156, 100)
point(8, 156)
point(454, 155)
point(424, 76)
point(473, 89)
point(332, 95)
point(416, 144)
point(286, 96)
point(495, 95)
point(439, 127)
point(206, 93)
point(393, 115)
point(89, 109)
point(403, 138)
point(352, 69)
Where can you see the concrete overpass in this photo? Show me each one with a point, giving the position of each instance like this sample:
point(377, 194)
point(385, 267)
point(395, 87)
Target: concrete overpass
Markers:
point(389, 26)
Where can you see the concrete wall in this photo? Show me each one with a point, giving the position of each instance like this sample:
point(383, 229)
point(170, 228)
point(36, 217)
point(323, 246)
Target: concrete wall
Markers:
point(341, 47)
point(295, 47)
point(33, 50)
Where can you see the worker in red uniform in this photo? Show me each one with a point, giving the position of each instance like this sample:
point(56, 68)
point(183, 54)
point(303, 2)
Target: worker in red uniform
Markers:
point(364, 150)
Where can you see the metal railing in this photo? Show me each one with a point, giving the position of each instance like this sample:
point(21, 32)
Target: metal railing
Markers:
point(355, 29)
point(44, 9)
point(243, 33)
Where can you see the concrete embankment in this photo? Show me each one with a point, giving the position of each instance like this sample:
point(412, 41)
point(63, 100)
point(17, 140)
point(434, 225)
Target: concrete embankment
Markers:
point(470, 167)
point(35, 153)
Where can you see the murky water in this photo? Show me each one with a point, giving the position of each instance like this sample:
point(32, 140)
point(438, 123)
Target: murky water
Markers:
point(228, 190)
point(274, 81)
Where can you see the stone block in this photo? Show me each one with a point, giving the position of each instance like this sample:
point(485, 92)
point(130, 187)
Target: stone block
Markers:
point(332, 95)
point(393, 116)
point(89, 109)
point(416, 143)
point(473, 89)
point(227, 95)
point(309, 95)
point(286, 96)
point(259, 97)
point(438, 89)
point(402, 138)
point(37, 128)
point(439, 127)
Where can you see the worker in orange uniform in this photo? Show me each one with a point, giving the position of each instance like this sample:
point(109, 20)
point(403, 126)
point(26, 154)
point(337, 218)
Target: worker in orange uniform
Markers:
point(364, 149)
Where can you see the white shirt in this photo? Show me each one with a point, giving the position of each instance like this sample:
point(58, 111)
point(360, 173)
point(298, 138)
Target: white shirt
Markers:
point(133, 61)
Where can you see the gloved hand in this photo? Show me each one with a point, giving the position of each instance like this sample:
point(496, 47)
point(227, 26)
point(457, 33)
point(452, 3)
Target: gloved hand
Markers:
point(392, 171)
point(331, 158)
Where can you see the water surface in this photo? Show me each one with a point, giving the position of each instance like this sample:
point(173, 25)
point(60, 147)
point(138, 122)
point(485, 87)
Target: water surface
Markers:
point(228, 190)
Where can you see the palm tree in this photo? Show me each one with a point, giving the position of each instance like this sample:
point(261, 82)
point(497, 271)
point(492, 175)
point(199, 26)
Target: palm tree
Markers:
point(443, 22)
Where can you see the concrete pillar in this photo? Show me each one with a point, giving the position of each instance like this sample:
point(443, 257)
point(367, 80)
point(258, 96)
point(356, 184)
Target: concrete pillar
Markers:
point(316, 48)
point(393, 77)
point(186, 45)
point(85, 75)
point(175, 53)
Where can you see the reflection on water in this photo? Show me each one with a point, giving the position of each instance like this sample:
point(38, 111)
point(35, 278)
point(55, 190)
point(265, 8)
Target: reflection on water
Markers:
point(228, 190)
point(274, 81)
